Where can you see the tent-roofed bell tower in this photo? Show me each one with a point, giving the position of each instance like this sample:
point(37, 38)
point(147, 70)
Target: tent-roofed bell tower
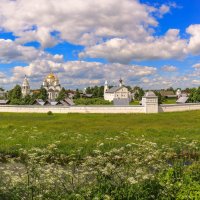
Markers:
point(106, 87)
point(25, 87)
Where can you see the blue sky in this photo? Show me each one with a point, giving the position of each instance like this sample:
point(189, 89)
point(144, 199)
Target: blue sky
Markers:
point(153, 44)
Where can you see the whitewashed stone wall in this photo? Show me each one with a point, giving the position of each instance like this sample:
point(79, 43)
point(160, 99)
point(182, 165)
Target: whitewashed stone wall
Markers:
point(73, 109)
point(150, 102)
point(179, 107)
point(148, 107)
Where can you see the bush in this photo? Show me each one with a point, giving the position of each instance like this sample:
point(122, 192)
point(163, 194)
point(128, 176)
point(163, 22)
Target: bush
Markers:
point(49, 113)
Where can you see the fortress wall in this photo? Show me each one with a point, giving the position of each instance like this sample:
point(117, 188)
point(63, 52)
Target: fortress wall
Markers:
point(179, 107)
point(73, 109)
point(101, 109)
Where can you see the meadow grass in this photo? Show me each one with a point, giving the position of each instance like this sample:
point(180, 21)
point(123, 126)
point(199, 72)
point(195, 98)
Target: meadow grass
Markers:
point(85, 131)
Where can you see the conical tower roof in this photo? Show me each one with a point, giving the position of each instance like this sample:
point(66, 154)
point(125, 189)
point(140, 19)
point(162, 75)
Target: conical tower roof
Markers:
point(25, 82)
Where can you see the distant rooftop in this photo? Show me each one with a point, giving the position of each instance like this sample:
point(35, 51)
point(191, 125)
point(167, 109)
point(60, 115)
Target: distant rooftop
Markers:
point(182, 100)
point(114, 89)
point(150, 94)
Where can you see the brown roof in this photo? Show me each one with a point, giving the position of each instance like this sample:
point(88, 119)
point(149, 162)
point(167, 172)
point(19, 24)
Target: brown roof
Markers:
point(167, 93)
point(35, 91)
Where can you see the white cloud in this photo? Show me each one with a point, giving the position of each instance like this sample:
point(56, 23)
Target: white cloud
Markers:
point(2, 75)
point(164, 9)
point(78, 21)
point(196, 82)
point(10, 51)
point(196, 66)
point(119, 31)
point(79, 73)
point(123, 50)
point(169, 68)
point(194, 41)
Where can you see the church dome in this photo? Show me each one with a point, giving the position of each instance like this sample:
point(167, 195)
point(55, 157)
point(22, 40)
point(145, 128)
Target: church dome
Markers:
point(51, 76)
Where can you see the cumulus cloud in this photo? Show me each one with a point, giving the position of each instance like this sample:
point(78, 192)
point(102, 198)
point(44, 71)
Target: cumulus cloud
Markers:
point(124, 50)
point(108, 29)
point(80, 73)
point(2, 75)
point(169, 68)
point(194, 41)
point(196, 66)
point(196, 82)
point(164, 9)
point(10, 51)
point(78, 22)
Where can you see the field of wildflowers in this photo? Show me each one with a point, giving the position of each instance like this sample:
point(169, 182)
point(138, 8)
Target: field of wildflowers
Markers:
point(100, 156)
point(141, 170)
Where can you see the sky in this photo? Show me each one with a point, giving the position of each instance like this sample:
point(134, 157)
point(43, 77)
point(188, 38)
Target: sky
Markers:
point(153, 44)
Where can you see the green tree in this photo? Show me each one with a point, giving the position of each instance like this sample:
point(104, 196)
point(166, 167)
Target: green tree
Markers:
point(129, 88)
point(17, 92)
point(170, 89)
point(43, 94)
point(77, 94)
point(139, 93)
point(15, 95)
point(161, 99)
point(95, 91)
point(88, 90)
point(27, 100)
point(100, 92)
point(194, 95)
point(61, 95)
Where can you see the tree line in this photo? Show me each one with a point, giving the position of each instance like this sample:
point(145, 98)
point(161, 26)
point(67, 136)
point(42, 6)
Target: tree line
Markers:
point(15, 96)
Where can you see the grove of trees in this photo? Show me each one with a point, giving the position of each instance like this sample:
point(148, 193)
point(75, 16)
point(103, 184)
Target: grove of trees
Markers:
point(15, 96)
point(194, 95)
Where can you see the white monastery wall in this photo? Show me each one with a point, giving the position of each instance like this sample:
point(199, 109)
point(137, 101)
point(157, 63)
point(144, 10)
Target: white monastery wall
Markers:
point(148, 108)
point(73, 109)
point(179, 107)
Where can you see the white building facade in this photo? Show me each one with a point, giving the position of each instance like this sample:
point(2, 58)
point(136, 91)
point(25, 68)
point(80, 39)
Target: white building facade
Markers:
point(118, 92)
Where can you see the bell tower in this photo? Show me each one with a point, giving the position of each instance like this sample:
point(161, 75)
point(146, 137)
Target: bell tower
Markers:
point(105, 87)
point(25, 87)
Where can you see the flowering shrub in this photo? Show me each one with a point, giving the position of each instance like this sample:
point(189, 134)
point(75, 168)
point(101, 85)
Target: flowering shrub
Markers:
point(140, 170)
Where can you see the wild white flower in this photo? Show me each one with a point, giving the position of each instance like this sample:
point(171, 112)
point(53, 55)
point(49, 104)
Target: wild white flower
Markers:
point(132, 180)
point(101, 144)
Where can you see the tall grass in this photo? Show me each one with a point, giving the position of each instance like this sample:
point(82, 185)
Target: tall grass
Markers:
point(76, 131)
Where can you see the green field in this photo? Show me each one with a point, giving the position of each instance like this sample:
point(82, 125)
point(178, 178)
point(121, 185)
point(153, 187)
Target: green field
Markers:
point(85, 131)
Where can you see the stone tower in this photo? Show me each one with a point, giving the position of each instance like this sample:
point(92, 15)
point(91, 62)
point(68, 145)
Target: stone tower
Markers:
point(105, 87)
point(25, 87)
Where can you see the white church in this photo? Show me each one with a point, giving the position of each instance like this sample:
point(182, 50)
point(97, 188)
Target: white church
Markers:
point(117, 92)
point(52, 86)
